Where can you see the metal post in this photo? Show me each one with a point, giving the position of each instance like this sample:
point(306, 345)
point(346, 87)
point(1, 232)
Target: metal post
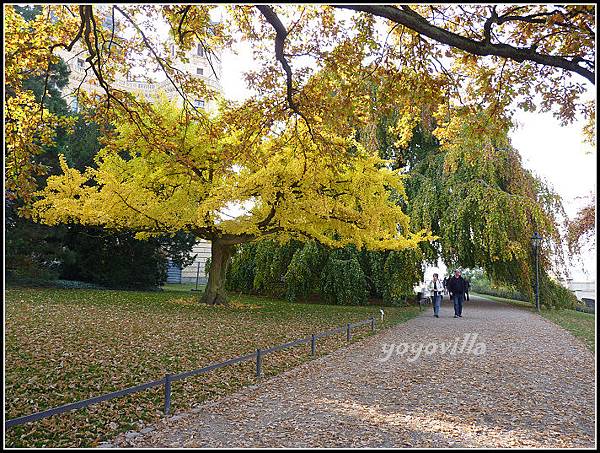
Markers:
point(167, 394)
point(537, 278)
point(372, 324)
point(258, 363)
point(348, 335)
point(536, 240)
point(197, 278)
point(313, 345)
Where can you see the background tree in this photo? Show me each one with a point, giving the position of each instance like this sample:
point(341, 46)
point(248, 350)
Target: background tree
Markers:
point(36, 252)
point(582, 230)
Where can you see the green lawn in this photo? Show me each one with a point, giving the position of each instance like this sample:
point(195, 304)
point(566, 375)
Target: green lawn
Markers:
point(184, 287)
point(64, 345)
point(582, 325)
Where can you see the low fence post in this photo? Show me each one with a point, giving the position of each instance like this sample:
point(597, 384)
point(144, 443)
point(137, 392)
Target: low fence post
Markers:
point(348, 334)
point(313, 344)
point(167, 394)
point(258, 363)
point(372, 323)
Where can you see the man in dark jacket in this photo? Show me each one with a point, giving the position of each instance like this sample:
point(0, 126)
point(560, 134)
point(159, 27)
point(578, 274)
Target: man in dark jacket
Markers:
point(457, 288)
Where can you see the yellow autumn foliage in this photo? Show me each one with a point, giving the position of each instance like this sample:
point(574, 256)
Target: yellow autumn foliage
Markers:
point(179, 174)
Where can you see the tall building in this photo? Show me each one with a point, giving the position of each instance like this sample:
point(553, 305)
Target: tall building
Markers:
point(198, 65)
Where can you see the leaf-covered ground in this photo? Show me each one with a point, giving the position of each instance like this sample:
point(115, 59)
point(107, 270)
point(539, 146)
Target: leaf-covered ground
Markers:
point(531, 386)
point(67, 345)
point(581, 325)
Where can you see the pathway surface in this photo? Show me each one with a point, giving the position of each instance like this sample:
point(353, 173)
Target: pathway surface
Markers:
point(532, 387)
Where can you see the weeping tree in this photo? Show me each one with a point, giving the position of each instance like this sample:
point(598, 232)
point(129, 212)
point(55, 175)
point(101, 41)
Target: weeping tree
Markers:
point(472, 191)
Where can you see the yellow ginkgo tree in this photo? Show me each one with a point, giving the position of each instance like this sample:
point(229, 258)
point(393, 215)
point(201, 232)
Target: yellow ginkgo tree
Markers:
point(226, 181)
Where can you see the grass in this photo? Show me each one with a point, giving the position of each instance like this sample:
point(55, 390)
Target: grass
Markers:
point(65, 345)
point(581, 325)
point(183, 287)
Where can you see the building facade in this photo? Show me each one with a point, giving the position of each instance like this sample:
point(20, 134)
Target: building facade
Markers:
point(197, 65)
point(195, 272)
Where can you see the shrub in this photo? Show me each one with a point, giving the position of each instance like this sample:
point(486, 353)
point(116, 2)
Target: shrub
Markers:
point(504, 292)
point(554, 295)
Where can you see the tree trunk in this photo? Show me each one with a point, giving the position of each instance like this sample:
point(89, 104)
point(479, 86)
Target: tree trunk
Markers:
point(215, 289)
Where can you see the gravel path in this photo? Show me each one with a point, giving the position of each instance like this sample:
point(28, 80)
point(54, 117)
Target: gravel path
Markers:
point(533, 386)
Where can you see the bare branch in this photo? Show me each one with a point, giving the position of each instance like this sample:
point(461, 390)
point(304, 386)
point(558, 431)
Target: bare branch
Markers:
point(409, 18)
point(281, 35)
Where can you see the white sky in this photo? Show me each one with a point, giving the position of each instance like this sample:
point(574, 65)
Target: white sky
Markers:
point(558, 155)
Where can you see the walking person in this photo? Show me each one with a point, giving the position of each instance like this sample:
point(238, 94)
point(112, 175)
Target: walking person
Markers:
point(436, 289)
point(467, 287)
point(457, 288)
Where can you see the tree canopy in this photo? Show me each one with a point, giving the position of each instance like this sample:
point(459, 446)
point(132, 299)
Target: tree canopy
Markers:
point(495, 57)
point(301, 151)
point(184, 175)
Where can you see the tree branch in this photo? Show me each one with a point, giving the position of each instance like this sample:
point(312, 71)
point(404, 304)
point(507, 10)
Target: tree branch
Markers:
point(281, 35)
point(416, 22)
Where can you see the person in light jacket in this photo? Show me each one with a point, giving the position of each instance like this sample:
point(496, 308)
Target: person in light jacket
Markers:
point(436, 289)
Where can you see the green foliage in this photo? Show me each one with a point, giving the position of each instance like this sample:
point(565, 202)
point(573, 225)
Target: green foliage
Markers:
point(343, 281)
point(373, 264)
point(240, 273)
point(340, 276)
point(481, 283)
point(502, 291)
point(272, 261)
point(552, 293)
point(302, 276)
point(58, 77)
point(402, 270)
point(81, 144)
point(555, 295)
point(113, 260)
point(31, 250)
point(29, 12)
